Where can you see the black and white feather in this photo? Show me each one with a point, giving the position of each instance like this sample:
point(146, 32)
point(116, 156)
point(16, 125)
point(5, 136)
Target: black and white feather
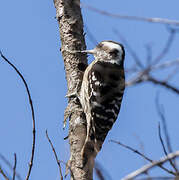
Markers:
point(101, 92)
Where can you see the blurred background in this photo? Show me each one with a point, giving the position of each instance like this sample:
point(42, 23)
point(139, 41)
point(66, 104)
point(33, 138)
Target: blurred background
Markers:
point(29, 38)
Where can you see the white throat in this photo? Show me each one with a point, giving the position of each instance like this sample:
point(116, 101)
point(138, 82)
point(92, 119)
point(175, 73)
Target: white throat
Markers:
point(114, 61)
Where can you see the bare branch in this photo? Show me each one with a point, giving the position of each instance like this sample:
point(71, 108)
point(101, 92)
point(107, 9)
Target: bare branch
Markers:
point(131, 149)
point(165, 65)
point(32, 111)
point(3, 174)
point(14, 168)
point(164, 149)
point(10, 166)
point(149, 53)
point(151, 165)
point(173, 73)
point(141, 144)
point(142, 155)
point(161, 140)
point(161, 113)
point(127, 17)
point(101, 172)
point(158, 178)
point(136, 80)
point(55, 154)
point(144, 76)
point(163, 83)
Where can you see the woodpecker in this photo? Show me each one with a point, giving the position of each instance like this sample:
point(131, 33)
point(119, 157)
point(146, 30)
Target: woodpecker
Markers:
point(101, 93)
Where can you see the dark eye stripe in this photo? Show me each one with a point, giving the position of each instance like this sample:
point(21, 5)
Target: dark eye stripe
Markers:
point(114, 52)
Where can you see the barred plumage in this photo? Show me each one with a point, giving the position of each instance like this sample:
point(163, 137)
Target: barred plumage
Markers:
point(101, 93)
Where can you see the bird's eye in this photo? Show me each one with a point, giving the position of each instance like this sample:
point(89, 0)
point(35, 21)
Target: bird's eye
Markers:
point(114, 52)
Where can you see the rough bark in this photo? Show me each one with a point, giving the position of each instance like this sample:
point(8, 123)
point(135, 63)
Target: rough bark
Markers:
point(68, 14)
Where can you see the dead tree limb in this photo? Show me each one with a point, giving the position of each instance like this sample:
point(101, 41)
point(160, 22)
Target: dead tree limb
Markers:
point(151, 165)
point(68, 14)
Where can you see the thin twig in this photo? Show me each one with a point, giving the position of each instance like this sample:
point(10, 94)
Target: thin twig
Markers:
point(144, 76)
point(165, 64)
point(3, 158)
point(149, 53)
point(69, 167)
point(142, 155)
point(9, 165)
point(3, 174)
point(173, 73)
point(140, 77)
point(163, 83)
point(157, 178)
point(137, 18)
point(55, 154)
point(142, 151)
point(101, 172)
point(161, 113)
point(151, 165)
point(164, 149)
point(14, 168)
point(161, 140)
point(32, 111)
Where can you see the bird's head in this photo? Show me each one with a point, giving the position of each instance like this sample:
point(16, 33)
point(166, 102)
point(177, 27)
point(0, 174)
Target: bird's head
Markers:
point(108, 51)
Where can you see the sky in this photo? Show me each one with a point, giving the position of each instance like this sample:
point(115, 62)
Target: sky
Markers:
point(29, 38)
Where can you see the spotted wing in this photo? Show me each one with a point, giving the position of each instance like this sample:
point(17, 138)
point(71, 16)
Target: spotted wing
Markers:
point(106, 91)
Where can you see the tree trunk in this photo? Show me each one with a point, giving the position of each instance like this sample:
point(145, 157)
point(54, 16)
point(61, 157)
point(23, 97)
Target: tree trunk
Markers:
point(68, 14)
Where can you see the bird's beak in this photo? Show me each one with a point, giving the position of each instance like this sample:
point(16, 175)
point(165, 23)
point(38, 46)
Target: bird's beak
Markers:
point(92, 51)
